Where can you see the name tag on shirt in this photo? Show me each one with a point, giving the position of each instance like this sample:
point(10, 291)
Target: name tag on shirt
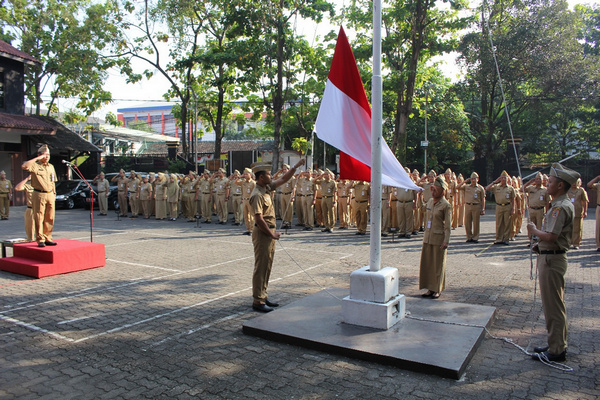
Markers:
point(429, 224)
point(474, 195)
point(541, 198)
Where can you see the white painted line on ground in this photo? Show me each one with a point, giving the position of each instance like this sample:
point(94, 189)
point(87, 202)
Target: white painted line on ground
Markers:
point(35, 328)
point(144, 265)
point(69, 321)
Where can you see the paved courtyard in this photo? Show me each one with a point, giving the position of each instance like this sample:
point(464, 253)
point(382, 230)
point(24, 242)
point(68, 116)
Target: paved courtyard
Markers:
point(163, 318)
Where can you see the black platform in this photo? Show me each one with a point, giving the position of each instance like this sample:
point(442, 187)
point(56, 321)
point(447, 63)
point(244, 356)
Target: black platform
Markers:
point(443, 349)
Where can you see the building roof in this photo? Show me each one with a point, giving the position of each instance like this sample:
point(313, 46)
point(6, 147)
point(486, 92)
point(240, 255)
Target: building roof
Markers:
point(120, 132)
point(64, 139)
point(25, 125)
point(209, 147)
point(9, 51)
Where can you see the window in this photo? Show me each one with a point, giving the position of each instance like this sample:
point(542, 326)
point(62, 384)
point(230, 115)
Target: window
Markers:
point(2, 90)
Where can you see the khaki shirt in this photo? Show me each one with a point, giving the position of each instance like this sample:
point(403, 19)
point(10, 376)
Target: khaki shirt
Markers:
point(426, 191)
point(221, 186)
point(578, 197)
point(122, 184)
point(133, 184)
point(438, 220)
point(328, 189)
point(538, 196)
point(172, 192)
point(362, 191)
point(160, 192)
point(5, 186)
point(261, 203)
point(558, 220)
point(474, 194)
point(308, 187)
point(103, 186)
point(248, 188)
point(287, 187)
point(204, 186)
point(503, 194)
point(43, 177)
point(146, 191)
point(404, 195)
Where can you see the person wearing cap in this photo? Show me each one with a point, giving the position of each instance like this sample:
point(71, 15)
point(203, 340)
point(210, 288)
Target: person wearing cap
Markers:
point(5, 195)
point(299, 197)
point(451, 194)
point(247, 184)
point(309, 200)
point(580, 200)
point(122, 181)
point(594, 184)
point(132, 186)
point(264, 234)
point(236, 198)
point(553, 242)
point(160, 196)
point(426, 182)
point(328, 200)
point(285, 196)
point(517, 217)
point(152, 204)
point(25, 186)
point(406, 201)
point(460, 202)
point(173, 194)
point(505, 206)
point(103, 188)
point(474, 199)
point(203, 194)
point(144, 195)
point(221, 188)
point(538, 200)
point(438, 221)
point(343, 197)
point(417, 210)
point(43, 177)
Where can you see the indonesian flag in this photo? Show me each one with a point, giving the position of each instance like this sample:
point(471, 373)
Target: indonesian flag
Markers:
point(344, 121)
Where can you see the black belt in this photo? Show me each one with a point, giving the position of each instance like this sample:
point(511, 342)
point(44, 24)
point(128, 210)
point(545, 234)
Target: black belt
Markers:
point(343, 197)
point(29, 207)
point(402, 201)
point(41, 191)
point(286, 193)
point(300, 195)
point(394, 200)
point(362, 201)
point(503, 204)
point(327, 197)
point(205, 192)
point(237, 195)
point(536, 208)
point(475, 204)
point(553, 251)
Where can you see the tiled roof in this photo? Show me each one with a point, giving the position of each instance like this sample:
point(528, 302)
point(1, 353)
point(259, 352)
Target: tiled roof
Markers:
point(9, 51)
point(65, 139)
point(209, 147)
point(26, 123)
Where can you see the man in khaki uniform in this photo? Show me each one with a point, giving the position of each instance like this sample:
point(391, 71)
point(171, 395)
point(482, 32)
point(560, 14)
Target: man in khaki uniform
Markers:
point(474, 198)
point(144, 194)
point(122, 181)
point(328, 200)
point(236, 198)
point(204, 194)
point(308, 201)
point(317, 179)
point(25, 186)
point(264, 234)
point(132, 186)
point(160, 196)
point(451, 195)
point(505, 207)
point(552, 264)
point(595, 185)
point(247, 184)
point(5, 195)
point(43, 177)
point(438, 221)
point(579, 198)
point(405, 205)
point(343, 197)
point(362, 193)
point(173, 194)
point(221, 187)
point(386, 209)
point(460, 201)
point(285, 196)
point(103, 188)
point(299, 197)
point(537, 199)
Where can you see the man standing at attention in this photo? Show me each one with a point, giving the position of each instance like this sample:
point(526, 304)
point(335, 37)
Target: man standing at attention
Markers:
point(43, 177)
point(474, 197)
point(595, 185)
point(5, 195)
point(554, 238)
point(264, 234)
point(103, 189)
point(505, 206)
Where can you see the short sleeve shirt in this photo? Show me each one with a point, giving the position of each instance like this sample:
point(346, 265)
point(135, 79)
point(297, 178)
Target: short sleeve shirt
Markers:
point(261, 203)
point(558, 220)
point(42, 177)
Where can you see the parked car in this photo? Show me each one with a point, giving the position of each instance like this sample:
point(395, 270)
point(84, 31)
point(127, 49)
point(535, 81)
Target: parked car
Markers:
point(113, 199)
point(68, 193)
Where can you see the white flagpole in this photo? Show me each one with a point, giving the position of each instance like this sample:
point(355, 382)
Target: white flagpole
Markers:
point(376, 138)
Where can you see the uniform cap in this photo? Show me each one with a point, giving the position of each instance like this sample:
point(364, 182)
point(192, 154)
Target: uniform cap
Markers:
point(432, 173)
point(407, 170)
point(539, 175)
point(441, 182)
point(461, 176)
point(150, 173)
point(328, 171)
point(236, 172)
point(285, 166)
point(222, 170)
point(2, 172)
point(505, 174)
point(564, 173)
point(474, 175)
point(261, 166)
point(415, 171)
point(247, 170)
point(121, 171)
point(448, 171)
point(42, 149)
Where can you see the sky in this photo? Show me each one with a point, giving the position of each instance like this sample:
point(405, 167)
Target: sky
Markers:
point(150, 91)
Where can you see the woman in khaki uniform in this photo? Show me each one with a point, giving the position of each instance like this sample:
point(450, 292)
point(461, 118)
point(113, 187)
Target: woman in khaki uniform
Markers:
point(580, 200)
point(160, 196)
point(173, 194)
point(438, 221)
point(145, 196)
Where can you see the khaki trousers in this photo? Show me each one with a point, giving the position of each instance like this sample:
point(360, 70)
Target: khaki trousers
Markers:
point(308, 211)
point(536, 216)
point(472, 221)
point(133, 204)
point(43, 215)
point(264, 250)
point(328, 212)
point(385, 215)
point(404, 214)
point(103, 202)
point(206, 206)
point(221, 208)
point(29, 225)
point(552, 269)
point(300, 209)
point(236, 204)
point(146, 208)
point(361, 216)
point(343, 214)
point(287, 211)
point(248, 215)
point(122, 197)
point(4, 205)
point(577, 231)
point(503, 223)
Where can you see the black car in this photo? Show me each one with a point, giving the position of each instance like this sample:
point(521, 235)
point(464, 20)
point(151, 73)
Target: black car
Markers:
point(113, 199)
point(68, 193)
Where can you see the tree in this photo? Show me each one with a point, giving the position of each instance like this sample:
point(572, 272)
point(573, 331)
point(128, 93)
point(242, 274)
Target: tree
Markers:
point(68, 38)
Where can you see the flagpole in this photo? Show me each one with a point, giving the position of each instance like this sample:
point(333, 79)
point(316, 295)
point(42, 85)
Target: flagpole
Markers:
point(376, 138)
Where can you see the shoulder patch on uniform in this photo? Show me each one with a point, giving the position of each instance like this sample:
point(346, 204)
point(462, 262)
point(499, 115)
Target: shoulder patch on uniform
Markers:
point(555, 212)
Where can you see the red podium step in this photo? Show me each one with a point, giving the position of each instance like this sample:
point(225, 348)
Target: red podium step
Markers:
point(68, 256)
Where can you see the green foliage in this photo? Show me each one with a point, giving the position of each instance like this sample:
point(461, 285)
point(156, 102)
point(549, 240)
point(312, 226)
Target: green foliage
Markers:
point(111, 119)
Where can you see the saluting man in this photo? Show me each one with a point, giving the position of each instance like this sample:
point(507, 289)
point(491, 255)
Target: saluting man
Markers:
point(328, 200)
point(580, 200)
point(594, 184)
point(505, 206)
point(537, 199)
point(554, 238)
point(43, 177)
point(264, 234)
point(122, 181)
point(474, 198)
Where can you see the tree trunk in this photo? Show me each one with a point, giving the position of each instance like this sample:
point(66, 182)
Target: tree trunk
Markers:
point(278, 97)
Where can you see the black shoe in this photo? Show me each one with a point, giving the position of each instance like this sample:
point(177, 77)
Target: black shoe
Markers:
point(407, 236)
point(545, 356)
point(357, 233)
point(474, 241)
point(421, 229)
point(415, 233)
point(541, 349)
point(41, 244)
point(505, 243)
point(468, 240)
point(299, 224)
point(247, 233)
point(262, 308)
point(308, 228)
point(362, 233)
point(384, 234)
point(49, 243)
point(271, 304)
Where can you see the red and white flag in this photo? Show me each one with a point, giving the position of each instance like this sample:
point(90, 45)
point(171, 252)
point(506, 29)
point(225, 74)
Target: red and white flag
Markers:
point(344, 121)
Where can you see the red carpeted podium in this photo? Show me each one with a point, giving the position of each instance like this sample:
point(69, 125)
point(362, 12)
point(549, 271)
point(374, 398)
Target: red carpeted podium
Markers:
point(68, 256)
